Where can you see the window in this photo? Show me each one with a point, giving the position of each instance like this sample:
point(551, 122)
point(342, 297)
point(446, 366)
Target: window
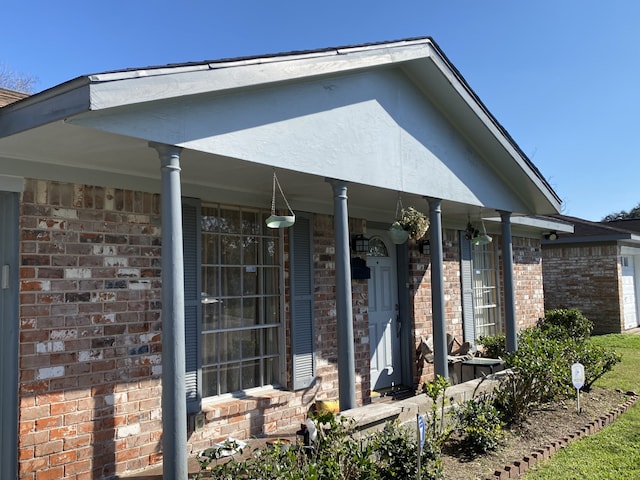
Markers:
point(241, 268)
point(484, 274)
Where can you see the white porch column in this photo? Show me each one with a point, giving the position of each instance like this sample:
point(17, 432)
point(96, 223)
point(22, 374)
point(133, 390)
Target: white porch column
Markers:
point(509, 288)
point(344, 304)
point(174, 398)
point(440, 362)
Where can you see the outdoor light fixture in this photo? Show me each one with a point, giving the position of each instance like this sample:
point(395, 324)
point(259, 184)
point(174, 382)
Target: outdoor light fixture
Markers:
point(360, 244)
point(551, 236)
point(279, 221)
point(425, 247)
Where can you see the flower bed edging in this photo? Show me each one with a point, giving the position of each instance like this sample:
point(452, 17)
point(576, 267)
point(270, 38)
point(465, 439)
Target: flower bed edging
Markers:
point(518, 467)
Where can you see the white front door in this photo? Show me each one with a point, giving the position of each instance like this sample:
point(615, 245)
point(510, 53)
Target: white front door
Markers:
point(384, 321)
point(629, 293)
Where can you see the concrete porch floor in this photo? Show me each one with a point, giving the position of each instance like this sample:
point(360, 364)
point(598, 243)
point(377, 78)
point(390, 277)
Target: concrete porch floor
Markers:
point(368, 418)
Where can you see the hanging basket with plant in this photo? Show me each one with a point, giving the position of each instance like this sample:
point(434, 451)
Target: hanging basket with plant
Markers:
point(411, 223)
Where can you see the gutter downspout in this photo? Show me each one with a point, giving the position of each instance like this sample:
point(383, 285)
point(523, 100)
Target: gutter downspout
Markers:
point(174, 397)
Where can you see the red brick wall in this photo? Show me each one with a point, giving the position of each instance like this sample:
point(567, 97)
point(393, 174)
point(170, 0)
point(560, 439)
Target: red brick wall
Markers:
point(90, 347)
point(89, 331)
point(527, 277)
point(585, 277)
point(420, 269)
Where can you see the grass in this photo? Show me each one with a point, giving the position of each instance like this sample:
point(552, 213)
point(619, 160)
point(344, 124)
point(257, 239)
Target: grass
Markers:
point(612, 453)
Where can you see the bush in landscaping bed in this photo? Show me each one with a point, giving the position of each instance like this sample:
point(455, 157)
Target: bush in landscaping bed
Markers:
point(339, 454)
point(541, 366)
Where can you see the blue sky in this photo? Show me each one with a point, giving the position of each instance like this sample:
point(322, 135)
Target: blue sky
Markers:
point(561, 76)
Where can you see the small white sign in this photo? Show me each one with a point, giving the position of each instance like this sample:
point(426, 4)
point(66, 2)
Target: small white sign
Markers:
point(577, 375)
point(421, 429)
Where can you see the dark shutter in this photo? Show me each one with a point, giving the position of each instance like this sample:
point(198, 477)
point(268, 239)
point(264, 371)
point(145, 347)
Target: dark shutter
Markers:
point(302, 341)
point(466, 279)
point(192, 301)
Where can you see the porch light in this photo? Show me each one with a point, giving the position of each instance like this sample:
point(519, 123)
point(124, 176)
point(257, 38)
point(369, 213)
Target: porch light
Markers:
point(360, 244)
point(425, 247)
point(279, 221)
point(551, 236)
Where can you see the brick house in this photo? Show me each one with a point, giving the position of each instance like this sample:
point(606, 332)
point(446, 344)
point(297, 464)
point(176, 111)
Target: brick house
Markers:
point(147, 308)
point(595, 270)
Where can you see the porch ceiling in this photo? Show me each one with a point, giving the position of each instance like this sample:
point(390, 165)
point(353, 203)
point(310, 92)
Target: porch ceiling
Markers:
point(65, 152)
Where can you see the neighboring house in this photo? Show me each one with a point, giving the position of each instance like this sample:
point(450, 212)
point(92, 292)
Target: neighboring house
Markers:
point(595, 270)
point(133, 231)
point(10, 96)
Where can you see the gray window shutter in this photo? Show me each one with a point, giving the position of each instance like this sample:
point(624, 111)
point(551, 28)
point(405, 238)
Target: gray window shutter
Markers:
point(192, 301)
point(302, 289)
point(466, 279)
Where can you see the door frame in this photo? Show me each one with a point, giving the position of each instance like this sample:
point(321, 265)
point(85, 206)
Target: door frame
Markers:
point(404, 303)
point(634, 270)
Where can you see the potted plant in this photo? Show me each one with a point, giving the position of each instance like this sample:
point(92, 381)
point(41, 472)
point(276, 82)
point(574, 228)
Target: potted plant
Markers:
point(411, 224)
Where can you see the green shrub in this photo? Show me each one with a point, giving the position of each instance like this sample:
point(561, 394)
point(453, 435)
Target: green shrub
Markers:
point(479, 424)
point(515, 397)
point(562, 323)
point(437, 428)
point(396, 447)
point(541, 366)
point(339, 454)
point(495, 346)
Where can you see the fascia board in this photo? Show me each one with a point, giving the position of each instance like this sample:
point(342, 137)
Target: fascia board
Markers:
point(55, 104)
point(220, 78)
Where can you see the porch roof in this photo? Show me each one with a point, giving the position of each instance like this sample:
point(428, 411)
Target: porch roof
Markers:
point(390, 118)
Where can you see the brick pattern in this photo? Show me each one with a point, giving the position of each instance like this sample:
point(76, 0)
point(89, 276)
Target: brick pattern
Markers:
point(587, 278)
point(90, 341)
point(420, 286)
point(90, 345)
point(527, 275)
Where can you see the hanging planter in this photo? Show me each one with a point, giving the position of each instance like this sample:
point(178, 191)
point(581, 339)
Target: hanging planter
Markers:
point(411, 223)
point(398, 234)
point(279, 221)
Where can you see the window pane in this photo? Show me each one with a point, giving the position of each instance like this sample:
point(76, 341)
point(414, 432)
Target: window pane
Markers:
point(250, 251)
point(270, 281)
point(270, 251)
point(250, 374)
point(230, 346)
point(250, 344)
point(210, 381)
point(231, 221)
point(250, 281)
point(230, 281)
point(271, 310)
point(270, 341)
point(211, 314)
point(251, 223)
point(231, 313)
point(210, 249)
point(271, 371)
point(231, 249)
point(209, 348)
point(210, 220)
point(230, 378)
point(210, 281)
point(250, 311)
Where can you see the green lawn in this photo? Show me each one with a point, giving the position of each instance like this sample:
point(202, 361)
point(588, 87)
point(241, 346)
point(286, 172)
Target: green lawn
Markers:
point(614, 452)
